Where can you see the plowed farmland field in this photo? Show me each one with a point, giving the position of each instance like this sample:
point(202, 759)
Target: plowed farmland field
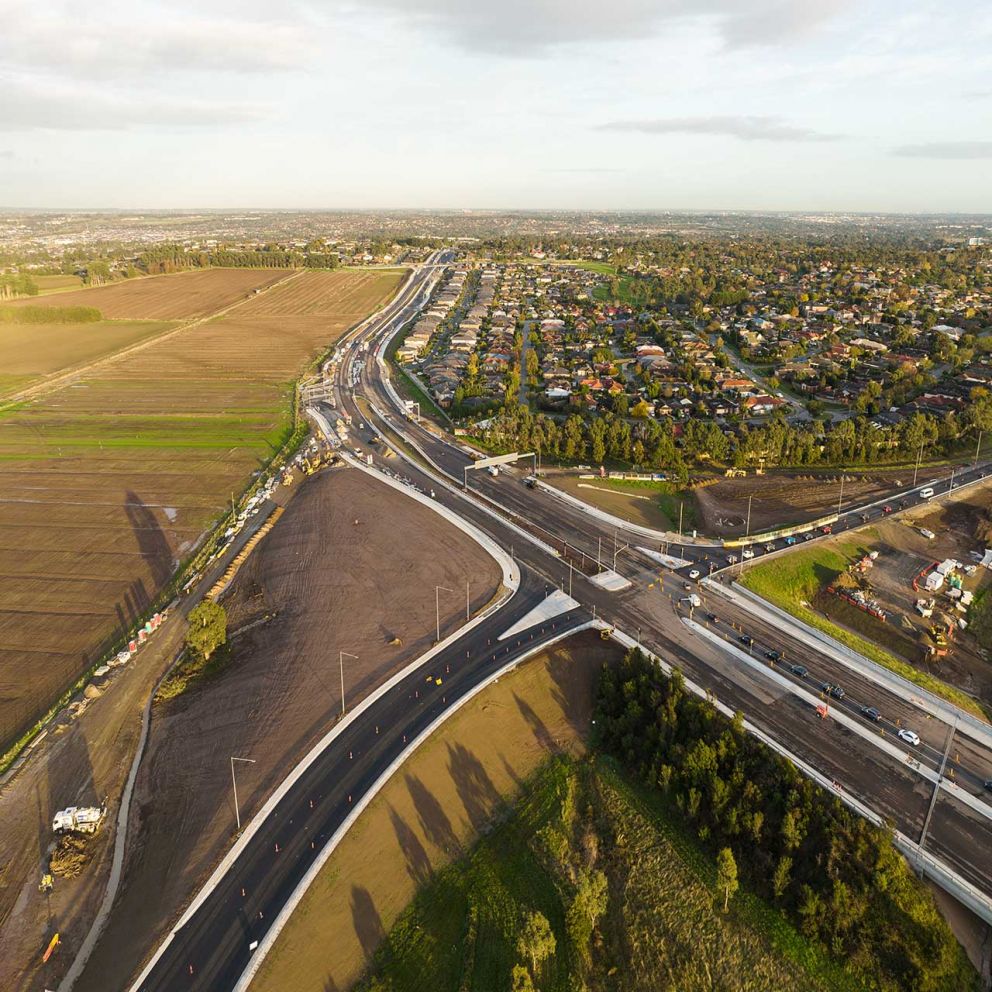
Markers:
point(107, 484)
point(29, 352)
point(180, 296)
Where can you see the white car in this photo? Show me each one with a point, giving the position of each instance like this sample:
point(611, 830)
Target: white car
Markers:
point(694, 574)
point(910, 737)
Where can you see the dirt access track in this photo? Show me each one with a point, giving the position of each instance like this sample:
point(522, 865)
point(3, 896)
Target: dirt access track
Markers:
point(351, 566)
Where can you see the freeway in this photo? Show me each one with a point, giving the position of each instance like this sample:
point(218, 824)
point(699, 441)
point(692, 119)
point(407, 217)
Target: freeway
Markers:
point(581, 539)
point(552, 540)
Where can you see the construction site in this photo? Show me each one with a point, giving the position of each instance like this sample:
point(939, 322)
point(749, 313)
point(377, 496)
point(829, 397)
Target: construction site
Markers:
point(915, 585)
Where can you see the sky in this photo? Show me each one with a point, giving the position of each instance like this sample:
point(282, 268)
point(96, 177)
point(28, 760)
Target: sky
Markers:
point(813, 105)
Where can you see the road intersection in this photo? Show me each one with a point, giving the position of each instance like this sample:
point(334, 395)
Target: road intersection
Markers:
point(557, 545)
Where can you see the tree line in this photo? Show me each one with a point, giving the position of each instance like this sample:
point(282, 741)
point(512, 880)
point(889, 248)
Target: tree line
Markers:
point(837, 877)
point(632, 437)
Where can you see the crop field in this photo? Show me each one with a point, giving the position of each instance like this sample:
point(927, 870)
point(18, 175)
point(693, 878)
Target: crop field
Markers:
point(320, 294)
point(180, 296)
point(108, 483)
point(29, 352)
point(52, 284)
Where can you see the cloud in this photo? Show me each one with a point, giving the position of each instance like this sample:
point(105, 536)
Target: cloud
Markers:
point(527, 27)
point(137, 40)
point(32, 107)
point(744, 127)
point(961, 150)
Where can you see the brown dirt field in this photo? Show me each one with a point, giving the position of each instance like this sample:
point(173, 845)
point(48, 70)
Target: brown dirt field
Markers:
point(29, 352)
point(785, 498)
point(322, 577)
point(81, 761)
point(430, 811)
point(319, 294)
point(179, 296)
point(109, 482)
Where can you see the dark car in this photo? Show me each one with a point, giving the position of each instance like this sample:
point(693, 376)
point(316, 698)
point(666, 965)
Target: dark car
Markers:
point(773, 655)
point(870, 713)
point(746, 639)
point(833, 690)
point(800, 670)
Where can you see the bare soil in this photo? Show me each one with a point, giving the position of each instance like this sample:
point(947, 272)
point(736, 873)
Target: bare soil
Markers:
point(780, 499)
point(961, 527)
point(431, 811)
point(109, 482)
point(351, 567)
point(179, 296)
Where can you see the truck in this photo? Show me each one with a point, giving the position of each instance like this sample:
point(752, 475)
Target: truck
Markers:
point(79, 819)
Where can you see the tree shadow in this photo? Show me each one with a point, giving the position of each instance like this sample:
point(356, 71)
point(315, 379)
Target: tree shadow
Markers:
point(366, 920)
point(153, 545)
point(70, 757)
point(434, 821)
point(541, 731)
point(417, 861)
point(475, 788)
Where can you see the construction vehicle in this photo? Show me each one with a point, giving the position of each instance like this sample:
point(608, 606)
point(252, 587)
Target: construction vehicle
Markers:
point(79, 819)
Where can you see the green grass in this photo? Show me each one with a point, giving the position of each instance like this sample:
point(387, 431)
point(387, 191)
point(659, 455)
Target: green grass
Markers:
point(792, 581)
point(663, 928)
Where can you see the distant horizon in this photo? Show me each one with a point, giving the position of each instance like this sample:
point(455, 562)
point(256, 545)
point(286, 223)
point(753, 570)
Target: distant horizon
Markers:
point(526, 211)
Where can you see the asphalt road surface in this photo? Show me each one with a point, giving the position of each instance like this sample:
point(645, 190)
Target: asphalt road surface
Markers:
point(212, 950)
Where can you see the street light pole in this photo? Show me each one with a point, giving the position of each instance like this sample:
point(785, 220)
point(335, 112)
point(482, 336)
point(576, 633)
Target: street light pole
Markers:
point(341, 655)
point(234, 782)
point(437, 609)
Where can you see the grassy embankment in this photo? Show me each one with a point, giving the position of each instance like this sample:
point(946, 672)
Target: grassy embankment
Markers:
point(793, 581)
point(663, 927)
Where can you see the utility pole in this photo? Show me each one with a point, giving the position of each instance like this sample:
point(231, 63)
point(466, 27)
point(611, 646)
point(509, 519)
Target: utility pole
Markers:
point(234, 782)
point(341, 655)
point(437, 609)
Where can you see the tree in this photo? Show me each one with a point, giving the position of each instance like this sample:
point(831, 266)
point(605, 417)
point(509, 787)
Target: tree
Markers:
point(726, 875)
point(207, 629)
point(587, 907)
point(520, 980)
point(537, 940)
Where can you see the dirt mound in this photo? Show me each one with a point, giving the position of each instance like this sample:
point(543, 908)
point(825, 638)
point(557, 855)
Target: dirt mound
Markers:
point(70, 856)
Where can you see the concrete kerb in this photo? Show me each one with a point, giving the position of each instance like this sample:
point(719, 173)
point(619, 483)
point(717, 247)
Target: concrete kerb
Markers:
point(924, 699)
point(287, 911)
point(511, 581)
point(608, 518)
point(939, 872)
point(442, 478)
point(884, 743)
